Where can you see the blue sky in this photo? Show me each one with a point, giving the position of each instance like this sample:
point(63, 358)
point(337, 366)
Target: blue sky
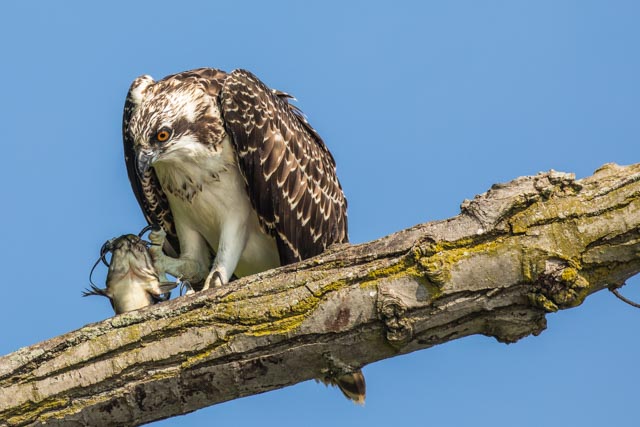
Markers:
point(423, 104)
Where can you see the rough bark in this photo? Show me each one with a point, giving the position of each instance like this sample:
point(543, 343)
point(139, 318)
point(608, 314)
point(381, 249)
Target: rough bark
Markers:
point(534, 245)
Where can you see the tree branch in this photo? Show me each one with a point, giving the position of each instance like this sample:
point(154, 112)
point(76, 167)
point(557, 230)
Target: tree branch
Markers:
point(534, 245)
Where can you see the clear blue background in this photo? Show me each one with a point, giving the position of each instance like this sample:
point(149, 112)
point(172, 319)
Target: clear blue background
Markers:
point(423, 104)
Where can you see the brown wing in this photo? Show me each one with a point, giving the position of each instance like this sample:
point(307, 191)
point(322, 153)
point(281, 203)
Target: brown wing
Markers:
point(290, 173)
point(147, 190)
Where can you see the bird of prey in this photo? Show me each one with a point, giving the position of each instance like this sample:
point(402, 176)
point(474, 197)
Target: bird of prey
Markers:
point(233, 173)
point(223, 163)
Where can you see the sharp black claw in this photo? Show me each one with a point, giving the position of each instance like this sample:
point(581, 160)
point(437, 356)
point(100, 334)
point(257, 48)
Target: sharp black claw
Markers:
point(148, 228)
point(185, 287)
point(104, 250)
point(92, 269)
point(219, 276)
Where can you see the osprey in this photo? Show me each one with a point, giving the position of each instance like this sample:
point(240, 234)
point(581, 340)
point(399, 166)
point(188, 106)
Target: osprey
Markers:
point(233, 174)
point(226, 165)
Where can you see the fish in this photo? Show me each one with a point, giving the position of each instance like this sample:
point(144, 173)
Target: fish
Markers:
point(132, 280)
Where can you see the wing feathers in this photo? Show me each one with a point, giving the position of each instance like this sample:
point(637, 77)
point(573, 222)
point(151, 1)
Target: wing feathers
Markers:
point(290, 173)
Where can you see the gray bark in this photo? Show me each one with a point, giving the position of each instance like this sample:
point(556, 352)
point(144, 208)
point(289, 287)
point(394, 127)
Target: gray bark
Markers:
point(534, 245)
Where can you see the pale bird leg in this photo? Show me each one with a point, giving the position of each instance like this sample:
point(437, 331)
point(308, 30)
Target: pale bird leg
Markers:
point(233, 240)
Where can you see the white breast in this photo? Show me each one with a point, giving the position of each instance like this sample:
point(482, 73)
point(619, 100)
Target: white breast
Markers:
point(208, 193)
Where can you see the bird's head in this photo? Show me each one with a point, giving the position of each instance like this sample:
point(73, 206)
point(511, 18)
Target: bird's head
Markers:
point(172, 119)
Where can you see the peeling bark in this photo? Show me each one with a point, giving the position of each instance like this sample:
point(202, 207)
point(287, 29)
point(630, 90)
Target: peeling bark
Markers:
point(525, 248)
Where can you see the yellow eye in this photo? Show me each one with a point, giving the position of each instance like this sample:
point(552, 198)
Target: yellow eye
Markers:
point(163, 135)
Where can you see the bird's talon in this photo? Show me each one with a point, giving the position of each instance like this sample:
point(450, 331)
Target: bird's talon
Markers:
point(185, 287)
point(214, 280)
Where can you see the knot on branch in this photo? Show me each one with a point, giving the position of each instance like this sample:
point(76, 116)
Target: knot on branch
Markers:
point(435, 270)
point(428, 265)
point(391, 311)
point(554, 182)
point(559, 286)
point(504, 200)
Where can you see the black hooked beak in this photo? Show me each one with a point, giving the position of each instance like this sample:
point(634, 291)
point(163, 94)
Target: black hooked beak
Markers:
point(144, 159)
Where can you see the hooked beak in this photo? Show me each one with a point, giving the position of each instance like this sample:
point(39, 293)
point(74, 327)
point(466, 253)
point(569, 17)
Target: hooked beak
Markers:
point(144, 159)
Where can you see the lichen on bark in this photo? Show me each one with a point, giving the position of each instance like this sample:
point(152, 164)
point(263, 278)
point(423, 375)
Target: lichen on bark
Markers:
point(525, 248)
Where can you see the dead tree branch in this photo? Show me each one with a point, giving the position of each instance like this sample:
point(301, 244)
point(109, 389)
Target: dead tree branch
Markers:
point(531, 246)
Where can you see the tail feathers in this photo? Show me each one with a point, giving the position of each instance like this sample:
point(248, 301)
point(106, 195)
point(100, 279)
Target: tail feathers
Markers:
point(352, 385)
